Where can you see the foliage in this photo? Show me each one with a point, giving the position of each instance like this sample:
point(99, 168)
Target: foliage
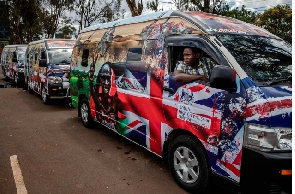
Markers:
point(213, 6)
point(153, 5)
point(92, 11)
point(239, 13)
point(21, 23)
point(277, 20)
point(52, 12)
point(67, 32)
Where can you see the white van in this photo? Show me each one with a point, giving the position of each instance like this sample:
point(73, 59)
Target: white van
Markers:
point(234, 131)
point(47, 67)
point(12, 63)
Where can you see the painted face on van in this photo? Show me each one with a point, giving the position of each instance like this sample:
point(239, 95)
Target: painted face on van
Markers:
point(104, 77)
point(189, 57)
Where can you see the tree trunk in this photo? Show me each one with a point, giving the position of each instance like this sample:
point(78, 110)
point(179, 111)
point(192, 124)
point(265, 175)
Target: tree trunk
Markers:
point(135, 10)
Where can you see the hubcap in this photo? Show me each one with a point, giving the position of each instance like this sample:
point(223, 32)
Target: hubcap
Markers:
point(84, 112)
point(43, 94)
point(186, 165)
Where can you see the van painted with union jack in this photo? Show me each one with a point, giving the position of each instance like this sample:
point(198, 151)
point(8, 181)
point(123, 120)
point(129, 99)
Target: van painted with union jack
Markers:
point(235, 131)
point(12, 63)
point(47, 68)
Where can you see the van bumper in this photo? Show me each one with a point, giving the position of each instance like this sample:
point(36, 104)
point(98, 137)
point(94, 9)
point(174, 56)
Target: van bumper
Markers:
point(57, 91)
point(261, 172)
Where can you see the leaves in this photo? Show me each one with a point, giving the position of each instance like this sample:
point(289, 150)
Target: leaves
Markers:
point(277, 20)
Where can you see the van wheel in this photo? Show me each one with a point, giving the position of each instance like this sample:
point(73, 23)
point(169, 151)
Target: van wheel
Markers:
point(85, 114)
point(16, 81)
point(188, 163)
point(29, 89)
point(45, 97)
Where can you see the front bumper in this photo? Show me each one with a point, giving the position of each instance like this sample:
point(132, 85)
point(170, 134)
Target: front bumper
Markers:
point(58, 91)
point(261, 172)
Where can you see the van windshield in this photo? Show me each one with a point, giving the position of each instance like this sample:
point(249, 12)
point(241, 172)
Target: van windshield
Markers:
point(60, 56)
point(263, 59)
point(21, 56)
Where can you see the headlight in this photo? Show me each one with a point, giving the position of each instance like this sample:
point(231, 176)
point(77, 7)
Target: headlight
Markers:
point(54, 80)
point(267, 139)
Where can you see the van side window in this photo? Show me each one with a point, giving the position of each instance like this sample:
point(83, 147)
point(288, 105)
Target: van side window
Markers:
point(14, 55)
point(134, 54)
point(85, 56)
point(43, 55)
point(176, 55)
point(36, 57)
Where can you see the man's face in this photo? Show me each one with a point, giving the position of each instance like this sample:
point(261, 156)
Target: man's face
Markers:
point(106, 83)
point(189, 57)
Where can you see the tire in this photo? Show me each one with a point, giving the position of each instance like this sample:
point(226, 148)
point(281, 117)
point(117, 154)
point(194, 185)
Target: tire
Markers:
point(44, 96)
point(85, 113)
point(16, 81)
point(188, 155)
point(29, 89)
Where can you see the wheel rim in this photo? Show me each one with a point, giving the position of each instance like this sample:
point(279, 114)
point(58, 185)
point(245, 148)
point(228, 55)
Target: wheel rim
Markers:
point(43, 94)
point(186, 165)
point(84, 112)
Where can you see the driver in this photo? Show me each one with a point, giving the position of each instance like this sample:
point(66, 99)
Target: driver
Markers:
point(190, 69)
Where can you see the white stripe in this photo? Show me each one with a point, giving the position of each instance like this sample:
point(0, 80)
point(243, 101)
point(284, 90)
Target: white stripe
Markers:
point(18, 177)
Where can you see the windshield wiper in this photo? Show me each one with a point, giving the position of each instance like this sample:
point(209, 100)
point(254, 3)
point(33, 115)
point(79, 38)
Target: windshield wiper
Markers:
point(279, 80)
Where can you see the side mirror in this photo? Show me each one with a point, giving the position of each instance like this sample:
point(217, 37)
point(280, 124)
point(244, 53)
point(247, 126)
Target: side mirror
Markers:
point(222, 77)
point(42, 63)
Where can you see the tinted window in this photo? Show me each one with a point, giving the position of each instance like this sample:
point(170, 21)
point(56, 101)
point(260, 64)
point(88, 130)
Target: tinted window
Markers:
point(263, 59)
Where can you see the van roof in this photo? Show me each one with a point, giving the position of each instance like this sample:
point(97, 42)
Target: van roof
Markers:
point(15, 45)
point(49, 39)
point(208, 23)
point(55, 43)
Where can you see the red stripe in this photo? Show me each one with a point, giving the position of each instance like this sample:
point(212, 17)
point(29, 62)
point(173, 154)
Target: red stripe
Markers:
point(133, 124)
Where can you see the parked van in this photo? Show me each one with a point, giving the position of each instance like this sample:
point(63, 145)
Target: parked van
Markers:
point(47, 66)
point(234, 131)
point(12, 63)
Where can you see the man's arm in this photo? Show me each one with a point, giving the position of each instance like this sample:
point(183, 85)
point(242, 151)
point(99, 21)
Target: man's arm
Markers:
point(180, 76)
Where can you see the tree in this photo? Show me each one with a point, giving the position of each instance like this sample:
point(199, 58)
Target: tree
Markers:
point(136, 10)
point(22, 23)
point(67, 32)
point(239, 13)
point(92, 11)
point(213, 6)
point(277, 20)
point(153, 5)
point(53, 12)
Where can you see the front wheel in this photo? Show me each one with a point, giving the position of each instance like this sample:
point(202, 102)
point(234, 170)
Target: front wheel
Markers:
point(188, 163)
point(16, 80)
point(85, 114)
point(29, 89)
point(45, 97)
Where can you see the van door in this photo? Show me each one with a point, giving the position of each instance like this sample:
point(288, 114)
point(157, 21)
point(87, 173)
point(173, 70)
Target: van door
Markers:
point(214, 116)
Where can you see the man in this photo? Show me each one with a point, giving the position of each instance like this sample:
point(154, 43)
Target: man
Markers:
point(190, 68)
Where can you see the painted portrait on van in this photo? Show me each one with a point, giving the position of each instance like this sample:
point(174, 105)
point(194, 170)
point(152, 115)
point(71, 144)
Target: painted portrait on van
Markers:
point(104, 97)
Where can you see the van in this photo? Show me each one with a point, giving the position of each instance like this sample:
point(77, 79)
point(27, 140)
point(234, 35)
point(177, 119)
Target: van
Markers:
point(234, 131)
point(47, 66)
point(12, 63)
